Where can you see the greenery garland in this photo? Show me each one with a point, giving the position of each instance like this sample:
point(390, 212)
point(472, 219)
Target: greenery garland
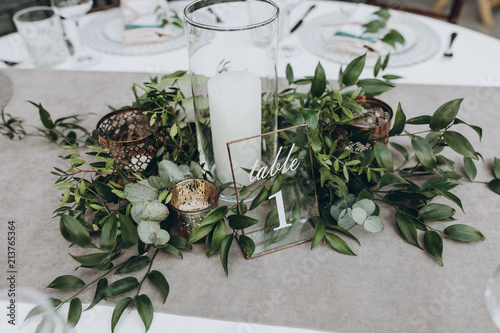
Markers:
point(107, 210)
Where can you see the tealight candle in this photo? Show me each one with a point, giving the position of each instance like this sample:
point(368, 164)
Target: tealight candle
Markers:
point(235, 113)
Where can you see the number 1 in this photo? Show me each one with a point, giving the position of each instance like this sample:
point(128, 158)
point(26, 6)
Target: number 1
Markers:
point(281, 211)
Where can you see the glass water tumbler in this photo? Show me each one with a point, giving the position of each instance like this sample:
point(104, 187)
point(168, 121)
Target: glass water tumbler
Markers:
point(232, 49)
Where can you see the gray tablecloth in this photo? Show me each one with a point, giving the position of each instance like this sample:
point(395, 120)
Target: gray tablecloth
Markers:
point(390, 286)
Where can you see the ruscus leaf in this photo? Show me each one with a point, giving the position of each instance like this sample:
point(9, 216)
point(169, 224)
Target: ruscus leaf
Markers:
point(145, 309)
point(159, 280)
point(464, 233)
point(118, 311)
point(434, 245)
point(67, 282)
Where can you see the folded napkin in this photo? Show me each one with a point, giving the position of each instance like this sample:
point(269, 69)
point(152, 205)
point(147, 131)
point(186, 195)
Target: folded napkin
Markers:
point(143, 21)
point(342, 44)
point(351, 38)
point(146, 35)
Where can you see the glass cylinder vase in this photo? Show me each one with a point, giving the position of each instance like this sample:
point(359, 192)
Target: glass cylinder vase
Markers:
point(232, 49)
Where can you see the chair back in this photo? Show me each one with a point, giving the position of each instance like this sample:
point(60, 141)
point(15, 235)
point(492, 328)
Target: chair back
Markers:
point(451, 16)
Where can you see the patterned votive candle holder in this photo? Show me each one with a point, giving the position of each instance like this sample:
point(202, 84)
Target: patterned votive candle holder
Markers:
point(133, 143)
point(191, 201)
point(377, 115)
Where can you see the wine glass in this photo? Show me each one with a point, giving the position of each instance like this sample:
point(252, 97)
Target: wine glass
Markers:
point(492, 295)
point(288, 47)
point(73, 10)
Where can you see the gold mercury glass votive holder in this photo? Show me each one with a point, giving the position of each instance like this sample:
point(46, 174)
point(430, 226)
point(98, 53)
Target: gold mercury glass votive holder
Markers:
point(191, 201)
point(127, 133)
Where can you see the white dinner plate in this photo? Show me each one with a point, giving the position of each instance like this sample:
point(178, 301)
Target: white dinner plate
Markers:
point(422, 42)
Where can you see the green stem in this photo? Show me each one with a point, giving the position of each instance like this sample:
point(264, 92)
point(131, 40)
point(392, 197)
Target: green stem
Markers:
point(88, 285)
point(145, 275)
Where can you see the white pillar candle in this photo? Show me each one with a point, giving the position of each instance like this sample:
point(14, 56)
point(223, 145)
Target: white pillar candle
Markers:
point(235, 113)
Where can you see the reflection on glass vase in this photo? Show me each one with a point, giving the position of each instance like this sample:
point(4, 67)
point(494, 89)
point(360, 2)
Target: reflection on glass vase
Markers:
point(234, 82)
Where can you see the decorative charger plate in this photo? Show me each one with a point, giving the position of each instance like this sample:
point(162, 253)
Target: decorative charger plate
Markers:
point(422, 42)
point(103, 34)
point(6, 90)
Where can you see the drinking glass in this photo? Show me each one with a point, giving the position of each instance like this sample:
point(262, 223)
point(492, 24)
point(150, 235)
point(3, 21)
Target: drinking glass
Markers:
point(73, 10)
point(234, 84)
point(42, 34)
point(492, 295)
point(288, 48)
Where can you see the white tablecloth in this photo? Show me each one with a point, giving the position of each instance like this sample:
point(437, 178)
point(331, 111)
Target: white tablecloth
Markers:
point(475, 60)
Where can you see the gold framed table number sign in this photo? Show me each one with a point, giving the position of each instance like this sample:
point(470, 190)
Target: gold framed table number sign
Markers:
point(280, 192)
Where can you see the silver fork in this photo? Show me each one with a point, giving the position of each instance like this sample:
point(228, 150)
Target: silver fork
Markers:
point(449, 51)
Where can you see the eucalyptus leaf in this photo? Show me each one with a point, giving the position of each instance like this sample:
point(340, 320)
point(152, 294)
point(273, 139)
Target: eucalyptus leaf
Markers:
point(345, 219)
point(118, 311)
point(147, 231)
point(196, 170)
point(162, 237)
point(159, 280)
point(464, 233)
point(434, 245)
point(358, 214)
point(373, 224)
point(169, 170)
point(367, 205)
point(154, 211)
point(136, 193)
point(145, 309)
point(160, 183)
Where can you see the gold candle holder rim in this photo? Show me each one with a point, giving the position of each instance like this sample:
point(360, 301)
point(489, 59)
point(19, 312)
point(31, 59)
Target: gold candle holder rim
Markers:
point(131, 142)
point(200, 210)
